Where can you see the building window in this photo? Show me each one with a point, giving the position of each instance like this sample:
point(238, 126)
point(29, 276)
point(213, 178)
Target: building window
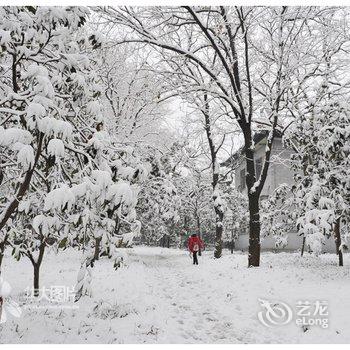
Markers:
point(258, 167)
point(242, 179)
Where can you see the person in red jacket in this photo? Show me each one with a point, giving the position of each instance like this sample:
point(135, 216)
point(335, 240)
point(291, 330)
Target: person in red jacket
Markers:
point(195, 245)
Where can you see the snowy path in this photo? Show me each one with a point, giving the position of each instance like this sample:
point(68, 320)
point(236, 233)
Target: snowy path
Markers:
point(162, 298)
point(186, 297)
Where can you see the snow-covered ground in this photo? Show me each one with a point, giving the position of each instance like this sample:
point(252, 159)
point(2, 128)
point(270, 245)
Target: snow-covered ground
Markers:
point(162, 298)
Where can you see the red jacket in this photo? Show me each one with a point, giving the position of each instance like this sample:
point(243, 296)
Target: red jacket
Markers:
point(192, 241)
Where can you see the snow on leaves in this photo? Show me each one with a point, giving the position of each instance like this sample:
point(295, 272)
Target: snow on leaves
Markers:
point(55, 148)
point(11, 136)
point(25, 157)
point(59, 199)
point(60, 178)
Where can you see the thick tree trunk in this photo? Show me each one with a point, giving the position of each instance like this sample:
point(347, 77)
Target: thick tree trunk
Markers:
point(254, 214)
point(198, 221)
point(97, 248)
point(36, 266)
point(2, 250)
point(254, 231)
point(218, 233)
point(303, 246)
point(219, 214)
point(232, 244)
point(186, 232)
point(1, 259)
point(36, 279)
point(337, 239)
point(162, 241)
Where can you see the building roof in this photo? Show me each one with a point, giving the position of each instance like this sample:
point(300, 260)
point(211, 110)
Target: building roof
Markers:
point(257, 137)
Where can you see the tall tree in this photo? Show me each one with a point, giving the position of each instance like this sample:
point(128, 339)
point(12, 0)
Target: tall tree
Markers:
point(246, 57)
point(42, 99)
point(317, 204)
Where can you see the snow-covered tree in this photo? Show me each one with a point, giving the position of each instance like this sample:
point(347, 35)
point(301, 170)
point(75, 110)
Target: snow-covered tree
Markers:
point(317, 205)
point(244, 58)
point(65, 179)
point(279, 215)
point(131, 93)
point(43, 97)
point(236, 216)
point(196, 212)
point(158, 209)
point(322, 189)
